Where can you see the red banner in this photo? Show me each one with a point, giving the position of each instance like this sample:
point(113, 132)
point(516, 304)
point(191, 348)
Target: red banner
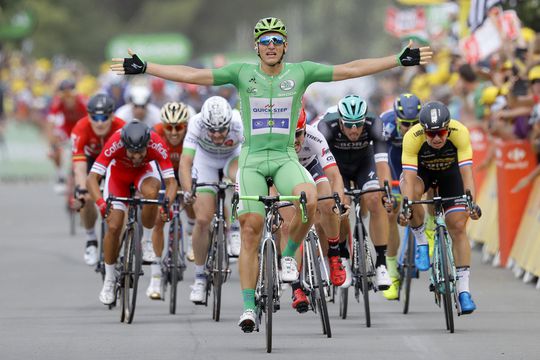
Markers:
point(515, 159)
point(480, 146)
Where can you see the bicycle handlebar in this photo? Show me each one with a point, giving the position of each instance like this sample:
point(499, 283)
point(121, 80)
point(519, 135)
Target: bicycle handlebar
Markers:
point(137, 201)
point(269, 201)
point(407, 204)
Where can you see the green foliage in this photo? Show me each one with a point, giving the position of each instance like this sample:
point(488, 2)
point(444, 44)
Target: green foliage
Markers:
point(529, 13)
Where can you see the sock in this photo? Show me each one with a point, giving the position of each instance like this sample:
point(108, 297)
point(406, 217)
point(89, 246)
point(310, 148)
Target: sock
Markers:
point(249, 299)
point(290, 249)
point(189, 226)
point(420, 235)
point(391, 265)
point(91, 235)
point(199, 272)
point(333, 246)
point(110, 271)
point(155, 267)
point(59, 174)
point(344, 250)
point(381, 255)
point(147, 234)
point(462, 274)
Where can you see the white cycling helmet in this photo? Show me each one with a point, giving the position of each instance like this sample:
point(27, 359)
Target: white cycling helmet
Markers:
point(139, 95)
point(216, 113)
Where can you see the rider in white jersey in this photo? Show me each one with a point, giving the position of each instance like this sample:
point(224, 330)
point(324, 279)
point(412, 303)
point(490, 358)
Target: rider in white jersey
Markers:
point(139, 107)
point(212, 143)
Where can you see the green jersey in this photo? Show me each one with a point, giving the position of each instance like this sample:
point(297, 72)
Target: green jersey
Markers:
point(270, 105)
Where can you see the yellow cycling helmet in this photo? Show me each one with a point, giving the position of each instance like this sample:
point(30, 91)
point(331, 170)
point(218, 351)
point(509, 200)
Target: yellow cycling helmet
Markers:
point(534, 73)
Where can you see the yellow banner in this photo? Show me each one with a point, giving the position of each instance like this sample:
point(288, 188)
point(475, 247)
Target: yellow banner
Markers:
point(526, 249)
point(482, 230)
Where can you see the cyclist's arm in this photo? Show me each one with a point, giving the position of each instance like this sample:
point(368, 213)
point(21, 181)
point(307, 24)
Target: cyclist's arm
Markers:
point(92, 184)
point(336, 181)
point(184, 171)
point(79, 171)
point(181, 73)
point(409, 160)
point(383, 172)
point(462, 141)
point(363, 67)
point(380, 148)
point(468, 179)
point(171, 187)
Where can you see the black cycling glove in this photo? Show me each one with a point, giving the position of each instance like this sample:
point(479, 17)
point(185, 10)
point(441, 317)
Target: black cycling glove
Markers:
point(409, 57)
point(134, 65)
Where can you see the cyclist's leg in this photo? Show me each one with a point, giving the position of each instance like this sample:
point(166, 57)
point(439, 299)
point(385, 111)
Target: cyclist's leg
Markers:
point(394, 157)
point(250, 181)
point(88, 218)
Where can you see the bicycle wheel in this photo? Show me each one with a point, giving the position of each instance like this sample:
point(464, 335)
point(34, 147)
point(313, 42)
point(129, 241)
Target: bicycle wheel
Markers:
point(320, 297)
point(100, 266)
point(132, 270)
point(269, 291)
point(173, 266)
point(218, 269)
point(408, 270)
point(343, 302)
point(363, 266)
point(447, 291)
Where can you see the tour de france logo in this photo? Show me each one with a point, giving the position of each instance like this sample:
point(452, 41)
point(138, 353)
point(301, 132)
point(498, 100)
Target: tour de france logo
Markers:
point(287, 85)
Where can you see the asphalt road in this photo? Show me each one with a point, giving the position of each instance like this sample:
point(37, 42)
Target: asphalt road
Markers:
point(49, 309)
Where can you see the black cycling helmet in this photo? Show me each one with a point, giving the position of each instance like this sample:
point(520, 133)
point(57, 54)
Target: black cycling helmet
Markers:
point(434, 116)
point(100, 104)
point(135, 136)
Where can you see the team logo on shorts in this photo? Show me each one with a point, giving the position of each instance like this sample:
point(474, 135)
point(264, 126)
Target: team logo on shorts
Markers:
point(287, 85)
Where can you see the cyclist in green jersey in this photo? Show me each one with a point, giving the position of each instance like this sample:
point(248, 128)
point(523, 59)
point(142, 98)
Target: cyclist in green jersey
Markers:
point(270, 94)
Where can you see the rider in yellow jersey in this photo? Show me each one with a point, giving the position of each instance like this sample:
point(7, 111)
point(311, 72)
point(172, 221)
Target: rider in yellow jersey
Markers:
point(437, 152)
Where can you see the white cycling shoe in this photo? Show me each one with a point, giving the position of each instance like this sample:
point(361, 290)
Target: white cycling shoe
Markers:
point(247, 321)
point(108, 291)
point(383, 278)
point(154, 288)
point(91, 255)
point(198, 291)
point(289, 269)
point(348, 273)
point(148, 254)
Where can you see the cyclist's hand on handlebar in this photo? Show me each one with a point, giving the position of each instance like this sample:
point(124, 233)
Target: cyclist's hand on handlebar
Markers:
point(475, 212)
point(166, 213)
point(345, 210)
point(102, 206)
point(404, 217)
point(188, 198)
point(389, 203)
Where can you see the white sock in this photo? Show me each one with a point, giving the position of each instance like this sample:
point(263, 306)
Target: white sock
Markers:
point(59, 173)
point(91, 234)
point(462, 274)
point(147, 234)
point(199, 272)
point(420, 235)
point(110, 271)
point(155, 267)
point(189, 226)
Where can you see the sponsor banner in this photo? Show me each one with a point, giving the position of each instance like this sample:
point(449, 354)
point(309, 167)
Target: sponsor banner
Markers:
point(401, 22)
point(514, 160)
point(163, 48)
point(481, 230)
point(525, 250)
point(270, 115)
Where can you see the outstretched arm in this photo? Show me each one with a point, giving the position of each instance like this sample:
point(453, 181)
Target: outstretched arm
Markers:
point(181, 73)
point(363, 67)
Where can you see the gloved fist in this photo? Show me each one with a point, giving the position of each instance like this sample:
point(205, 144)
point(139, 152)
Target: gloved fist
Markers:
point(102, 206)
point(134, 65)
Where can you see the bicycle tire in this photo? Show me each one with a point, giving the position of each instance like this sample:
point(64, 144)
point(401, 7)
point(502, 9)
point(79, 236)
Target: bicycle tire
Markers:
point(343, 302)
point(269, 276)
point(132, 269)
point(447, 298)
point(361, 243)
point(320, 298)
point(217, 272)
point(408, 271)
point(173, 266)
point(100, 267)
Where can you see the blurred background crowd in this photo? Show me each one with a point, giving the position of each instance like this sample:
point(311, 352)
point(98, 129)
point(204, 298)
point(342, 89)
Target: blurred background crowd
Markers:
point(486, 67)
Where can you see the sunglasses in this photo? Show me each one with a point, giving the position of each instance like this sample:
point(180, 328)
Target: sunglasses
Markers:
point(267, 39)
point(218, 130)
point(299, 133)
point(407, 123)
point(139, 106)
point(440, 133)
point(99, 117)
point(177, 127)
point(351, 124)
